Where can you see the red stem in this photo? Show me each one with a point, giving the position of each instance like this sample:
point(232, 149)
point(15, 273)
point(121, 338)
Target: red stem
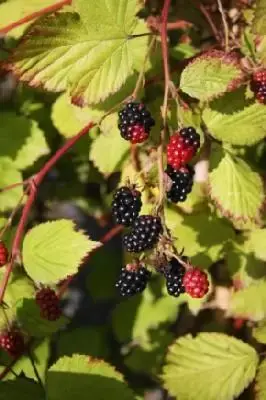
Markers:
point(35, 15)
point(35, 182)
point(106, 238)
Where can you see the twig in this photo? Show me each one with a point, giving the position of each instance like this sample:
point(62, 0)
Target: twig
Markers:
point(208, 18)
point(35, 15)
point(34, 183)
point(12, 215)
point(160, 151)
point(14, 185)
point(35, 368)
point(226, 30)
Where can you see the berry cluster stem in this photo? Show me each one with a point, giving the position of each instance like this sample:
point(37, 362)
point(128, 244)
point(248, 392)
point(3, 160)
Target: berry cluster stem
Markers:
point(164, 44)
point(33, 188)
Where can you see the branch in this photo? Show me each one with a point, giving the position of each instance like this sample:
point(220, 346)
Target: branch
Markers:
point(33, 186)
point(226, 30)
point(35, 15)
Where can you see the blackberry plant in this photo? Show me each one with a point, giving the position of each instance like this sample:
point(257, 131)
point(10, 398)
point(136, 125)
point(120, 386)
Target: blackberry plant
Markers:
point(132, 280)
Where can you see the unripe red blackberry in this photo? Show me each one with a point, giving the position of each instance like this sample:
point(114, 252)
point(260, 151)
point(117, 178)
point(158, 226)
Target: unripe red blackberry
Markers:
point(258, 85)
point(135, 122)
point(3, 254)
point(126, 205)
point(132, 280)
point(182, 182)
point(144, 234)
point(182, 147)
point(49, 305)
point(174, 272)
point(196, 282)
point(12, 342)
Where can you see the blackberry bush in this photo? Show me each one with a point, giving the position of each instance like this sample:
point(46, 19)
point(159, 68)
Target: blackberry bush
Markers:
point(126, 205)
point(133, 279)
point(135, 122)
point(144, 234)
point(182, 182)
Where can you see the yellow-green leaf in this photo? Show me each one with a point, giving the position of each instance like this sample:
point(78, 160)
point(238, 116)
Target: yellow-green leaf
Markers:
point(79, 377)
point(8, 176)
point(53, 250)
point(250, 302)
point(210, 366)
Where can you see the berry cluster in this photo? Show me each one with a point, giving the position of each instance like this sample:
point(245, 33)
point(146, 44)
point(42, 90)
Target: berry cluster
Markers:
point(126, 205)
point(180, 280)
point(144, 234)
point(12, 342)
point(135, 122)
point(258, 85)
point(3, 254)
point(48, 302)
point(133, 279)
point(181, 149)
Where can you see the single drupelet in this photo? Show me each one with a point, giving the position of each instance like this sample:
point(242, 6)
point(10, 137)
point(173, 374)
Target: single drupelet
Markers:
point(182, 182)
point(196, 282)
point(144, 234)
point(182, 147)
point(48, 301)
point(12, 342)
point(133, 279)
point(126, 205)
point(174, 273)
point(258, 85)
point(135, 122)
point(3, 254)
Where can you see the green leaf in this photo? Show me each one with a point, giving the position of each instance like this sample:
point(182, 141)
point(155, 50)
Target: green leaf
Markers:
point(8, 176)
point(40, 352)
point(259, 332)
point(53, 250)
point(250, 302)
point(28, 314)
point(211, 75)
point(257, 241)
point(90, 56)
point(80, 376)
point(19, 286)
point(210, 366)
point(203, 246)
point(109, 149)
point(70, 119)
point(244, 127)
point(259, 22)
point(28, 142)
point(21, 388)
point(236, 189)
point(260, 385)
point(133, 319)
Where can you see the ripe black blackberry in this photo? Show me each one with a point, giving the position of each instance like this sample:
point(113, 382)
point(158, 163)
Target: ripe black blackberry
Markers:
point(182, 182)
point(174, 273)
point(144, 234)
point(126, 205)
point(132, 280)
point(48, 301)
point(190, 137)
point(135, 122)
point(12, 342)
